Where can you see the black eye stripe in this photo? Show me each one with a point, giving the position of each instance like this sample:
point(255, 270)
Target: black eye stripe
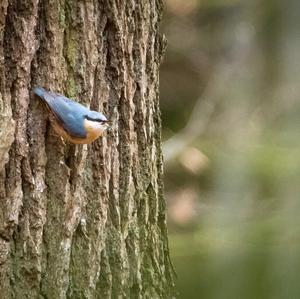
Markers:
point(95, 119)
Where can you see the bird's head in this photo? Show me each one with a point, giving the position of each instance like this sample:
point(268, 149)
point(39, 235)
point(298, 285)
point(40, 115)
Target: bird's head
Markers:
point(96, 120)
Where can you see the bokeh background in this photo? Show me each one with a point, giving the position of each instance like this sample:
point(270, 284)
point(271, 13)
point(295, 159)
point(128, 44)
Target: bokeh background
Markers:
point(230, 100)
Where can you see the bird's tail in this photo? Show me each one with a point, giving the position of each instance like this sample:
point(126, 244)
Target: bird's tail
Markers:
point(39, 91)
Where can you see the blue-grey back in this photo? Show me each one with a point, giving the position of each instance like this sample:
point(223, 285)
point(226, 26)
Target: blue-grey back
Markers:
point(69, 113)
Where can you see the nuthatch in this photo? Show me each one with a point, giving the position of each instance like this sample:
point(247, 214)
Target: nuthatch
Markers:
point(72, 121)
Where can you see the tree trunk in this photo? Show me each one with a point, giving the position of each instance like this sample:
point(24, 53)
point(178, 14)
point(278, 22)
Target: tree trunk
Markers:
point(82, 221)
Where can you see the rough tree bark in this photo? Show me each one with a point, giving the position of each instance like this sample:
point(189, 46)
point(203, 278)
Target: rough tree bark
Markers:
point(82, 221)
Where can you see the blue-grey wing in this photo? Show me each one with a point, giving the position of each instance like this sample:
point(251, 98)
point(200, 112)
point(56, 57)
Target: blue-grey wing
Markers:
point(68, 113)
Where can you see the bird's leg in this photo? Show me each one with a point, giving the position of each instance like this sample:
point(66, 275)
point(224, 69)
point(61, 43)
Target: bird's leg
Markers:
point(53, 133)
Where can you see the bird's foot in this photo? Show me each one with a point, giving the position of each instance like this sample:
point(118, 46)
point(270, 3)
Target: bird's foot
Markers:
point(62, 140)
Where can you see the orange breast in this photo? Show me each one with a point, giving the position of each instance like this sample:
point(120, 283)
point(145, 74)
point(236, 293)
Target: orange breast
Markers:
point(92, 132)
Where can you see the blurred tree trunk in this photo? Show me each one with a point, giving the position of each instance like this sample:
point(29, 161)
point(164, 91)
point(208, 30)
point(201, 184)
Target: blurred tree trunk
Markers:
point(82, 221)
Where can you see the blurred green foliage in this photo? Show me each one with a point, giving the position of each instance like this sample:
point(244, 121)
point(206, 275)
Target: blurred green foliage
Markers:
point(233, 191)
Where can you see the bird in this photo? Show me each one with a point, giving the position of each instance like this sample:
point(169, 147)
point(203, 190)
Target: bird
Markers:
point(72, 121)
